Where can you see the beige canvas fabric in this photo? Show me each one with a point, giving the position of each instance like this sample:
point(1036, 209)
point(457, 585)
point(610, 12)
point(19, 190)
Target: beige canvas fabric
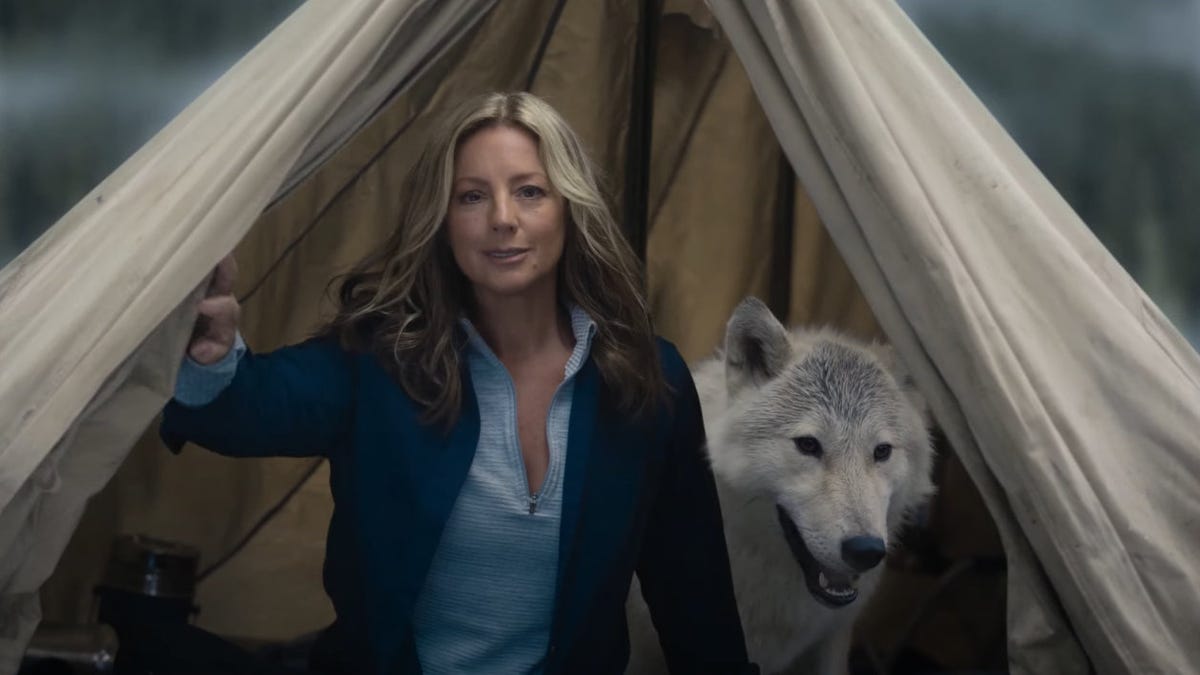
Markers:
point(92, 314)
point(1073, 403)
point(717, 233)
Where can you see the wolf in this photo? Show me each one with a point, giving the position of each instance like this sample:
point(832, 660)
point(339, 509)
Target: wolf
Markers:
point(821, 450)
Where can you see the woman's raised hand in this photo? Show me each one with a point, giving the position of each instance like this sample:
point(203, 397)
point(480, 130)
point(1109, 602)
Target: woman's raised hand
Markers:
point(217, 316)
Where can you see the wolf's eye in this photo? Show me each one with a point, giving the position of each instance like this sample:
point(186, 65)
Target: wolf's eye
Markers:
point(883, 451)
point(807, 445)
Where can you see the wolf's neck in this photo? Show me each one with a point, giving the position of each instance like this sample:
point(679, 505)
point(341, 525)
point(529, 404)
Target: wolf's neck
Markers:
point(709, 376)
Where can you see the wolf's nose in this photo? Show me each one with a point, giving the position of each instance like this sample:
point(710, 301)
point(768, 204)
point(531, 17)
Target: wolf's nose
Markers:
point(863, 553)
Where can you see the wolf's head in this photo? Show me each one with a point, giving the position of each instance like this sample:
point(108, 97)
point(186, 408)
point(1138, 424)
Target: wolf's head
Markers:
point(829, 430)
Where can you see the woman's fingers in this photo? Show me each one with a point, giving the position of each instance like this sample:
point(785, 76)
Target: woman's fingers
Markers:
point(216, 316)
point(220, 309)
point(223, 277)
point(205, 351)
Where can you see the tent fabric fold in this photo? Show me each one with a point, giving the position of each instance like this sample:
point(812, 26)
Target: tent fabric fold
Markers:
point(71, 318)
point(1068, 397)
point(1049, 369)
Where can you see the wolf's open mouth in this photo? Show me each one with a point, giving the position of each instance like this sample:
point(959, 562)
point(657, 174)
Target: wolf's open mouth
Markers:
point(830, 589)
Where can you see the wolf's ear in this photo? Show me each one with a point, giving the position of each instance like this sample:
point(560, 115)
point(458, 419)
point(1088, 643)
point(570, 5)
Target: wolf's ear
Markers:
point(891, 361)
point(756, 345)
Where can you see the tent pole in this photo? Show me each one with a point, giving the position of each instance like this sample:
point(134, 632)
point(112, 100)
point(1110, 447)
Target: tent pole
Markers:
point(779, 293)
point(552, 24)
point(641, 118)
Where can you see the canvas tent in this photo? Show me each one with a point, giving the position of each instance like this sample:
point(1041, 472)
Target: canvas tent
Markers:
point(1067, 396)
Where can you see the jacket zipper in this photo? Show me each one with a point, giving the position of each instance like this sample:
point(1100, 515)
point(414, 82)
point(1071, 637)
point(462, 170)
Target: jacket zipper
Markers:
point(533, 497)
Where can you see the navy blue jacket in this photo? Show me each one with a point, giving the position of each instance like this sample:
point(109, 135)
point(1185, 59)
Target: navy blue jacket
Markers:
point(638, 495)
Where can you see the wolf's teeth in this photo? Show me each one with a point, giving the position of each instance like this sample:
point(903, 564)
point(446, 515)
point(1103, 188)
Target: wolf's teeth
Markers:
point(823, 581)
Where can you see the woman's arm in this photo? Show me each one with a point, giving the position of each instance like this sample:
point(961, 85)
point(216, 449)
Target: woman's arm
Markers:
point(684, 564)
point(295, 401)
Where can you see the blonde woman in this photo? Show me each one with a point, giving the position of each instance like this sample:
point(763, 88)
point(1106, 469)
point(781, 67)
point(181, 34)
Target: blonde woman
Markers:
point(509, 443)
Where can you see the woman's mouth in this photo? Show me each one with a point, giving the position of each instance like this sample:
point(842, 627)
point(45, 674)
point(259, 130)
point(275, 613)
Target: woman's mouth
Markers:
point(506, 254)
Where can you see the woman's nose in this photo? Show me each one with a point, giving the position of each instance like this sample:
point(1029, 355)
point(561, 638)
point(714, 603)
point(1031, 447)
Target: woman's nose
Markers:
point(503, 213)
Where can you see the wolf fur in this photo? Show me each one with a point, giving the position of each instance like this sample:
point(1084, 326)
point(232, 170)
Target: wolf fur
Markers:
point(820, 430)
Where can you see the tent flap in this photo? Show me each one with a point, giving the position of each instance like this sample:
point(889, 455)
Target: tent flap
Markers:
point(1024, 333)
point(163, 220)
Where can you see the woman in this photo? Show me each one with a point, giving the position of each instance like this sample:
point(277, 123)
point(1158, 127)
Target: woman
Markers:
point(508, 441)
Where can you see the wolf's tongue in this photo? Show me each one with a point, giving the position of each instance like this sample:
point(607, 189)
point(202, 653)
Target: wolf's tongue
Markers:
point(834, 583)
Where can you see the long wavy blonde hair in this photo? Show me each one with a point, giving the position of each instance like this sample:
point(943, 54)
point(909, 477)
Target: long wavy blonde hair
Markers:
point(403, 302)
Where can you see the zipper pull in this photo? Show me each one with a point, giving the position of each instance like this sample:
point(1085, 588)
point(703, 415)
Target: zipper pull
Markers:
point(533, 503)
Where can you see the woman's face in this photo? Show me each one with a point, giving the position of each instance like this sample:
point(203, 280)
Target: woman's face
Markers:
point(505, 222)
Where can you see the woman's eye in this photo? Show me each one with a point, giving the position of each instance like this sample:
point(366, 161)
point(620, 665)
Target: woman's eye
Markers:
point(531, 192)
point(470, 197)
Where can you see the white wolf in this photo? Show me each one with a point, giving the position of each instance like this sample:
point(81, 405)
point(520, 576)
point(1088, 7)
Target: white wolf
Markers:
point(820, 448)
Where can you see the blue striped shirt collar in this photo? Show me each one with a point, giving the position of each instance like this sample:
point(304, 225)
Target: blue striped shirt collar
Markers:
point(582, 326)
